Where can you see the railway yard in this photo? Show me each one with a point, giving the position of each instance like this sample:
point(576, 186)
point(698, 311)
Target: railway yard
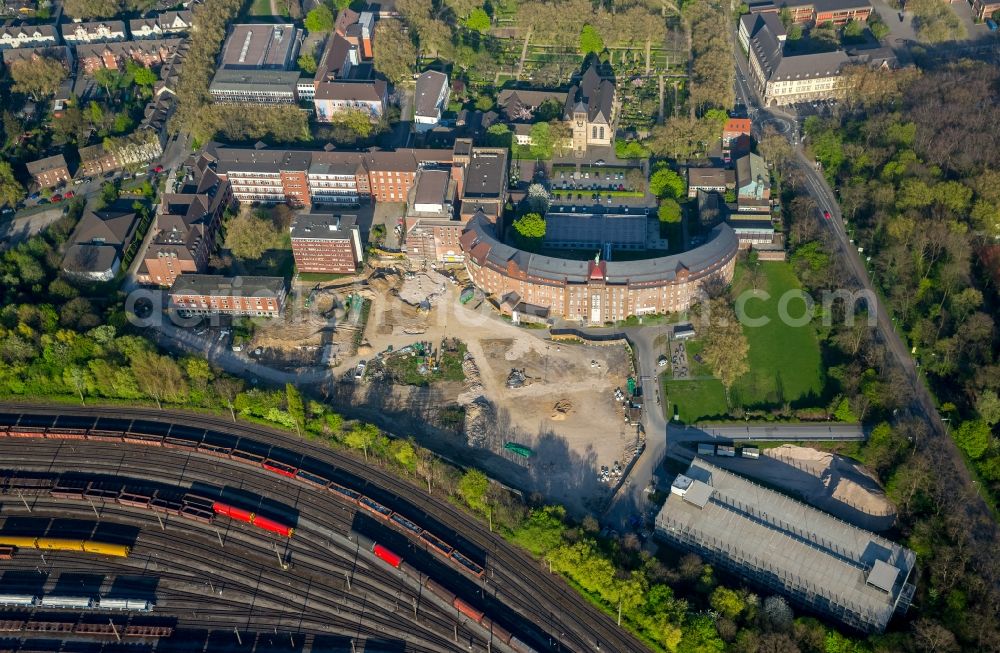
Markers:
point(174, 532)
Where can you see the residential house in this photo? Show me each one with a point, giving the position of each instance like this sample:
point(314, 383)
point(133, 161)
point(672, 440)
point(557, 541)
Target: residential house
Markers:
point(96, 246)
point(50, 171)
point(150, 53)
point(335, 97)
point(96, 161)
point(358, 29)
point(339, 59)
point(212, 294)
point(734, 129)
point(591, 107)
point(162, 24)
point(430, 100)
point(519, 105)
point(59, 52)
point(104, 31)
point(186, 226)
point(28, 36)
point(326, 242)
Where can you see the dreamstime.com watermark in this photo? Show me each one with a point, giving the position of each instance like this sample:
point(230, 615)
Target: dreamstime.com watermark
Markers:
point(151, 308)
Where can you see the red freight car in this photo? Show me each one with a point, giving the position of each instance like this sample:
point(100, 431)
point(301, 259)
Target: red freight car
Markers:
point(104, 435)
point(273, 526)
point(6, 552)
point(143, 438)
point(214, 450)
point(467, 610)
point(26, 432)
point(387, 556)
point(279, 468)
point(232, 512)
point(66, 434)
point(499, 633)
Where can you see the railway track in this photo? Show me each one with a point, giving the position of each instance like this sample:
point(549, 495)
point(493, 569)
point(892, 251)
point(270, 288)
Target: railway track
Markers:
point(513, 578)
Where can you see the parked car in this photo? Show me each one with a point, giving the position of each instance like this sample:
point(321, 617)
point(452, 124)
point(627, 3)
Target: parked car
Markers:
point(158, 169)
point(991, 25)
point(43, 201)
point(826, 214)
point(69, 195)
point(56, 198)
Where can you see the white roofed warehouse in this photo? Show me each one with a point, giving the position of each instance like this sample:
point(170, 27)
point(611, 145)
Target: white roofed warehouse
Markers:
point(818, 562)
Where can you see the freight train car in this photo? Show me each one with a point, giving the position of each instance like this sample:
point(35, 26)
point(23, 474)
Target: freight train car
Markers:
point(248, 517)
point(62, 544)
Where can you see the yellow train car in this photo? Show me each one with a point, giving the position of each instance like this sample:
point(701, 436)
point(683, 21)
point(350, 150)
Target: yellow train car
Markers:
point(64, 544)
point(107, 549)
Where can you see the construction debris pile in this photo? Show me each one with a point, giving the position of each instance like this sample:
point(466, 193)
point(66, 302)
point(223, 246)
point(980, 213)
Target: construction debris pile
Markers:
point(516, 379)
point(423, 289)
point(480, 413)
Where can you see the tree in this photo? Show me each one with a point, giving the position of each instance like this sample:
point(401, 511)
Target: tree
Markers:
point(988, 407)
point(541, 140)
point(530, 226)
point(296, 407)
point(726, 346)
point(357, 121)
point(590, 41)
point(108, 78)
point(394, 52)
point(472, 487)
point(973, 436)
point(727, 602)
point(92, 8)
point(248, 235)
point(667, 183)
point(669, 211)
point(141, 75)
point(319, 20)
point(11, 191)
point(159, 377)
point(774, 147)
point(635, 179)
point(307, 63)
point(478, 20)
point(362, 436)
point(538, 198)
point(39, 78)
point(498, 135)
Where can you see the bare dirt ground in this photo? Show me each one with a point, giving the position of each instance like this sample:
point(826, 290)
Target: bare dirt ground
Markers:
point(565, 412)
point(830, 482)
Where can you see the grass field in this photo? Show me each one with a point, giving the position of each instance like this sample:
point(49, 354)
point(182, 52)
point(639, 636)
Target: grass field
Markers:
point(785, 365)
point(260, 8)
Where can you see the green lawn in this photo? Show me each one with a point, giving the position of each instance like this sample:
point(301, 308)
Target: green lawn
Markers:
point(260, 8)
point(784, 360)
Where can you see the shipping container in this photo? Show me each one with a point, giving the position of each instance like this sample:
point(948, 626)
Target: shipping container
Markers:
point(723, 450)
point(750, 452)
point(706, 449)
point(387, 556)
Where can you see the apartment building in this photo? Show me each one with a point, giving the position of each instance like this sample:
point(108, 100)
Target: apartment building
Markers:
point(158, 25)
point(95, 160)
point(186, 226)
point(27, 36)
point(332, 98)
point(150, 53)
point(817, 12)
point(50, 171)
point(94, 32)
point(214, 294)
point(326, 242)
point(430, 99)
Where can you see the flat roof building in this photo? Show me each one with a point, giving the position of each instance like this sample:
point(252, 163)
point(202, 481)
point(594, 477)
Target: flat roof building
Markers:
point(326, 242)
point(595, 230)
point(261, 47)
point(254, 86)
point(815, 560)
point(214, 294)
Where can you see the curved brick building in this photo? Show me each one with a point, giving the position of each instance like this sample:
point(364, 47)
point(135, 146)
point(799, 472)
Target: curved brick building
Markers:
point(593, 291)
